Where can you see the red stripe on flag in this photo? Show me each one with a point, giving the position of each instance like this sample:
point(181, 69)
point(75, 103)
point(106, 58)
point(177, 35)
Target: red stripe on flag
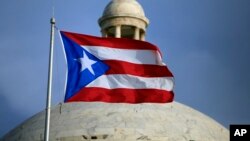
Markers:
point(121, 43)
point(123, 95)
point(143, 70)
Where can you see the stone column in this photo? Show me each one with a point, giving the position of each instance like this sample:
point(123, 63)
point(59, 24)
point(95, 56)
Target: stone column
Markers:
point(118, 31)
point(143, 36)
point(137, 33)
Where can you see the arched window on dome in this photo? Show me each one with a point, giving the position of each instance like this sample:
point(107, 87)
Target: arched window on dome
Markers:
point(110, 32)
point(127, 31)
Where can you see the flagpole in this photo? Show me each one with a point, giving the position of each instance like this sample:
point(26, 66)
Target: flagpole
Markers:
point(50, 75)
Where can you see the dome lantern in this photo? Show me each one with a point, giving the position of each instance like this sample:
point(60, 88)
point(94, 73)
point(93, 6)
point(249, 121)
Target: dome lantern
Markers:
point(124, 19)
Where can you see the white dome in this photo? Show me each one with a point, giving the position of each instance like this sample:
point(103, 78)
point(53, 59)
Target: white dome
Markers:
point(124, 122)
point(127, 14)
point(123, 8)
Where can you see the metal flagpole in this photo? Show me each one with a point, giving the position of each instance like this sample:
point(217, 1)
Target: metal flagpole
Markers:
point(50, 75)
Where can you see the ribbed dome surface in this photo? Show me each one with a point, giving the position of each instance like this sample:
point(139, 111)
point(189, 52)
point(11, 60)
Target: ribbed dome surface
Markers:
point(121, 122)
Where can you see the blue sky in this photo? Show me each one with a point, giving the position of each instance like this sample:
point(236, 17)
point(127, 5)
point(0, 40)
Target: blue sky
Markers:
point(206, 44)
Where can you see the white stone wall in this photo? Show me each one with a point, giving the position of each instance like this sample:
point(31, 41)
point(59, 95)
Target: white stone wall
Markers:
point(121, 122)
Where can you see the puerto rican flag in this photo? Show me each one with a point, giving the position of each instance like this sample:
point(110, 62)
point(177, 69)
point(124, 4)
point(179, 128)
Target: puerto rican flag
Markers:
point(115, 70)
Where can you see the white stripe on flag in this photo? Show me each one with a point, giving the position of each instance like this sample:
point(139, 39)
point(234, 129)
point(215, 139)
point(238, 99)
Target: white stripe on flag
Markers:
point(134, 82)
point(128, 55)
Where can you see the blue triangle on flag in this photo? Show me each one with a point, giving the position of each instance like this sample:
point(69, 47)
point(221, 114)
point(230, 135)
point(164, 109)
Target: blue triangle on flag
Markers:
point(83, 67)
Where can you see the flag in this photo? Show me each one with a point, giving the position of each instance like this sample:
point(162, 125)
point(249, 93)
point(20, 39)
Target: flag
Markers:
point(115, 70)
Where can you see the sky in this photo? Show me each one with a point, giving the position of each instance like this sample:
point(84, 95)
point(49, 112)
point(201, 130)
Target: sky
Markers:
point(205, 43)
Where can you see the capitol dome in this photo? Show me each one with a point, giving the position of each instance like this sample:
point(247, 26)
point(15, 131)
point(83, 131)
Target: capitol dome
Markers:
point(124, 19)
point(121, 122)
point(119, 8)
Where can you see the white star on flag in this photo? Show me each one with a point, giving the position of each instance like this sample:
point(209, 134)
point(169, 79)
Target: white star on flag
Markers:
point(86, 63)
